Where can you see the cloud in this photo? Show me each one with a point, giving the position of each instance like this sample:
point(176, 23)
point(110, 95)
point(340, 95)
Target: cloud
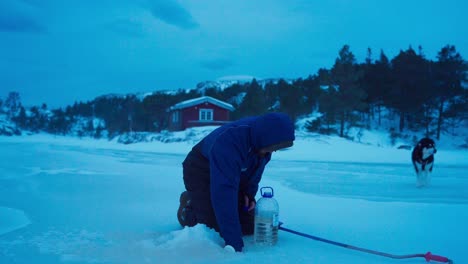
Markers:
point(172, 13)
point(126, 27)
point(217, 64)
point(18, 17)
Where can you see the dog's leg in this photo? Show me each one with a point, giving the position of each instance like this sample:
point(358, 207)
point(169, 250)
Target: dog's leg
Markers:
point(424, 178)
point(424, 169)
point(429, 173)
point(420, 182)
point(418, 170)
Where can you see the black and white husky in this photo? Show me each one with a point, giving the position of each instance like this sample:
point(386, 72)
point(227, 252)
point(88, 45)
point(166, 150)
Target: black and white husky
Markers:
point(423, 161)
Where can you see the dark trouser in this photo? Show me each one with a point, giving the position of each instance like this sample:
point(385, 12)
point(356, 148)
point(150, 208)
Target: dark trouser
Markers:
point(197, 182)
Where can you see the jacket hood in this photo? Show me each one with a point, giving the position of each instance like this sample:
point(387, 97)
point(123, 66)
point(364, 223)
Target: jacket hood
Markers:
point(270, 129)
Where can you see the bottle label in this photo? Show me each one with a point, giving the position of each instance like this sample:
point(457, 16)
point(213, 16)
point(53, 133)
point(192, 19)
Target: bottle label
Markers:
point(275, 220)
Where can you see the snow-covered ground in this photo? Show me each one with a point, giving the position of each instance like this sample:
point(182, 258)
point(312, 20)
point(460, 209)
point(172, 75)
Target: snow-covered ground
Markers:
point(70, 200)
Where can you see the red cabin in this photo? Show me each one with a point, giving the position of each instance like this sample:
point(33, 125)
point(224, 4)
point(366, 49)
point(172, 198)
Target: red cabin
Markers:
point(202, 111)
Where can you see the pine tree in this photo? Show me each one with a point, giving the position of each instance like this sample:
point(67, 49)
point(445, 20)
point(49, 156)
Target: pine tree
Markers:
point(411, 90)
point(155, 107)
point(59, 123)
point(329, 105)
point(345, 75)
point(291, 99)
point(21, 120)
point(450, 73)
point(254, 101)
point(12, 103)
point(376, 83)
point(310, 89)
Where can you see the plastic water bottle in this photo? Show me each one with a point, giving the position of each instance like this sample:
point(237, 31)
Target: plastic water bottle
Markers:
point(266, 218)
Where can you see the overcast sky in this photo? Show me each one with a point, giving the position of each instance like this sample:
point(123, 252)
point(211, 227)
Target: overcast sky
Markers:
point(62, 51)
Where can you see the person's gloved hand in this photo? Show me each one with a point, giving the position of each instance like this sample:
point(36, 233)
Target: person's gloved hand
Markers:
point(249, 203)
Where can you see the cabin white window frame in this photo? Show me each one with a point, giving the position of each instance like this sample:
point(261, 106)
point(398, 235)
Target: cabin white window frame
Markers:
point(205, 114)
point(175, 117)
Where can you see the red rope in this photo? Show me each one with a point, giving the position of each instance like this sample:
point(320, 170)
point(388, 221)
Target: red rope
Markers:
point(428, 256)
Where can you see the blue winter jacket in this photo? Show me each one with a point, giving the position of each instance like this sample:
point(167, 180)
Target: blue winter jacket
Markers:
point(235, 166)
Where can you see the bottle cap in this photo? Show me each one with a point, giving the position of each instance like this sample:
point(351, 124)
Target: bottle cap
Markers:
point(266, 192)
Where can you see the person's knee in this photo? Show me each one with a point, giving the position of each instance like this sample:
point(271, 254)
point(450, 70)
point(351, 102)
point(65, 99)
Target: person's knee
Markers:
point(204, 214)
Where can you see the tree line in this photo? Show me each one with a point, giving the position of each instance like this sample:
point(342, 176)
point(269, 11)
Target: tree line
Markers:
point(422, 94)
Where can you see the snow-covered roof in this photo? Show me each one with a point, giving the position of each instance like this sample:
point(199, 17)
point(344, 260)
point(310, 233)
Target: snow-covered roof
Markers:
point(200, 100)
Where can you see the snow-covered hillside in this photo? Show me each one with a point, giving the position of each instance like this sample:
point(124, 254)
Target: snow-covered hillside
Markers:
point(227, 81)
point(7, 127)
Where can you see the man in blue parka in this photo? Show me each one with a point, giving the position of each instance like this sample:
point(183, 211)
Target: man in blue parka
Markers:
point(222, 173)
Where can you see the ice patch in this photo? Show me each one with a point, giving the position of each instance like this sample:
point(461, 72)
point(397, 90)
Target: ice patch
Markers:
point(37, 170)
point(12, 219)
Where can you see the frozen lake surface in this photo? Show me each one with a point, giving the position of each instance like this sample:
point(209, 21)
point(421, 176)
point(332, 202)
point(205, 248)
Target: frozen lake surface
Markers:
point(68, 203)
